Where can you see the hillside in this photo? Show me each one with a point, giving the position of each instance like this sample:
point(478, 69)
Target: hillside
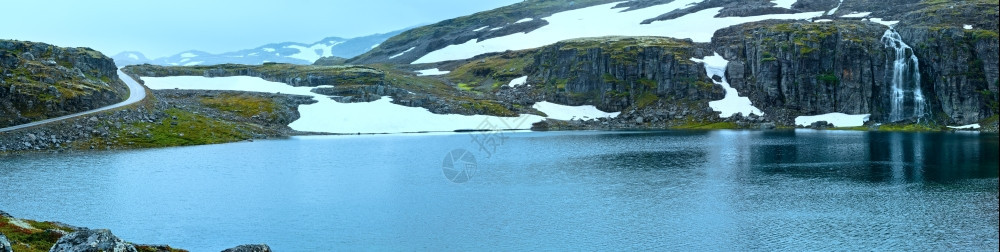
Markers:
point(39, 81)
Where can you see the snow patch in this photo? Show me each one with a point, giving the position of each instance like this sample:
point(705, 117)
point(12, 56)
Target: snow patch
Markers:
point(481, 28)
point(404, 52)
point(967, 27)
point(883, 22)
point(970, 126)
point(314, 52)
point(787, 4)
point(268, 49)
point(823, 20)
point(524, 20)
point(188, 55)
point(837, 119)
point(518, 81)
point(732, 103)
point(432, 71)
point(375, 45)
point(133, 56)
point(327, 115)
point(564, 112)
point(857, 15)
point(192, 63)
point(497, 28)
point(604, 20)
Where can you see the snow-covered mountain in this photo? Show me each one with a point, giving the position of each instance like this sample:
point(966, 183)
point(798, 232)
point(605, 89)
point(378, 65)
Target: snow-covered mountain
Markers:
point(287, 52)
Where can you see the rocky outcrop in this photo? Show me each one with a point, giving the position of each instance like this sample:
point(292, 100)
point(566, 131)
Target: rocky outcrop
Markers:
point(4, 244)
point(614, 73)
point(39, 81)
point(95, 240)
point(249, 248)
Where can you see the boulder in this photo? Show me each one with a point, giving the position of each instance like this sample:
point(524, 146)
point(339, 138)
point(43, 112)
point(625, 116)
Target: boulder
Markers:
point(250, 248)
point(4, 244)
point(92, 240)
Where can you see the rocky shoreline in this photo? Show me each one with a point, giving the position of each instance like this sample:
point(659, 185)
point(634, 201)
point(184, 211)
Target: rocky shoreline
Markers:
point(29, 235)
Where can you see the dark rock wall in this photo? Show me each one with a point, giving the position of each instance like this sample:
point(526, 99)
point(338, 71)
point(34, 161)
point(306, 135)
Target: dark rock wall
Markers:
point(39, 81)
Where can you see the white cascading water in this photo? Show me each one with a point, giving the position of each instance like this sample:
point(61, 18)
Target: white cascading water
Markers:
point(905, 80)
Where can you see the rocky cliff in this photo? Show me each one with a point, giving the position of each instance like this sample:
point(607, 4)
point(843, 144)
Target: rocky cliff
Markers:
point(39, 81)
point(614, 73)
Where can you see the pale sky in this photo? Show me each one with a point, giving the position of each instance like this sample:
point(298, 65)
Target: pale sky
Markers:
point(162, 28)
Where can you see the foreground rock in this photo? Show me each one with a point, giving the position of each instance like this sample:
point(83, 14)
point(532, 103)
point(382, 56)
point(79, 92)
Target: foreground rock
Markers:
point(250, 248)
point(92, 240)
point(4, 244)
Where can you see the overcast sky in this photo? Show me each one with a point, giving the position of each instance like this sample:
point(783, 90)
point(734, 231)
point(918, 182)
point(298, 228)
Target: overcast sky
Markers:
point(162, 28)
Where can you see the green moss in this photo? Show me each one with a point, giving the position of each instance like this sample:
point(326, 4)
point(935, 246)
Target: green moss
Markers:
point(488, 107)
point(910, 127)
point(187, 129)
point(646, 99)
point(464, 87)
point(38, 239)
point(245, 106)
point(828, 78)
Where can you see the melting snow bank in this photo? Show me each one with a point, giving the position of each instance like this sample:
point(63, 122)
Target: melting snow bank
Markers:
point(967, 27)
point(518, 81)
point(401, 54)
point(380, 116)
point(432, 71)
point(732, 103)
point(837, 119)
point(565, 112)
point(970, 126)
point(605, 20)
point(857, 15)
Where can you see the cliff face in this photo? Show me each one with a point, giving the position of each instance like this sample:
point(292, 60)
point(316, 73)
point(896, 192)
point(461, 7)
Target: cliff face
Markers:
point(792, 69)
point(39, 81)
point(615, 73)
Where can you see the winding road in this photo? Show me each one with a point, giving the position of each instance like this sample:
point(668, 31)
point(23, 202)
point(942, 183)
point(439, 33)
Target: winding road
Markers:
point(136, 93)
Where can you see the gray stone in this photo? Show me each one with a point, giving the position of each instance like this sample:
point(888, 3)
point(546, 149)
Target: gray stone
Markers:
point(4, 244)
point(91, 240)
point(249, 248)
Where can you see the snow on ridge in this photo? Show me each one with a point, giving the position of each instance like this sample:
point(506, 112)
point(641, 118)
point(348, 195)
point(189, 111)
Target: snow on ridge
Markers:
point(787, 4)
point(518, 81)
point(313, 52)
point(837, 119)
point(970, 126)
point(883, 22)
point(404, 52)
point(856, 15)
point(376, 45)
point(481, 28)
point(133, 56)
point(834, 10)
point(432, 71)
point(268, 49)
point(327, 115)
point(604, 20)
point(193, 63)
point(524, 20)
point(188, 55)
point(565, 112)
point(497, 28)
point(732, 103)
point(967, 27)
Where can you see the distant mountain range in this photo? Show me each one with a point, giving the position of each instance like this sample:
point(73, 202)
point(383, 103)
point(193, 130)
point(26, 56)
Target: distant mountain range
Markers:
point(287, 52)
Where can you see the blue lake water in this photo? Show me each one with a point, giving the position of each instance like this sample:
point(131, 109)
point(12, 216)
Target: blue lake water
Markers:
point(671, 190)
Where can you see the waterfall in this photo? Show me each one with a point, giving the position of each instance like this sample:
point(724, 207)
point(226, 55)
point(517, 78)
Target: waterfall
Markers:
point(907, 100)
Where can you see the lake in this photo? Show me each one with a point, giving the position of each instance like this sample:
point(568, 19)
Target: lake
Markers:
point(585, 190)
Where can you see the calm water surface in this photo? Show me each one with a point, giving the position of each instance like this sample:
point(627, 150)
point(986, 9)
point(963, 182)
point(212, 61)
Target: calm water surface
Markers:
point(700, 190)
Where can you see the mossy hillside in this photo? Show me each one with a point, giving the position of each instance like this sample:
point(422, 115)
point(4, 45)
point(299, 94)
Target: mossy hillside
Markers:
point(459, 30)
point(187, 129)
point(245, 106)
point(489, 73)
point(943, 14)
